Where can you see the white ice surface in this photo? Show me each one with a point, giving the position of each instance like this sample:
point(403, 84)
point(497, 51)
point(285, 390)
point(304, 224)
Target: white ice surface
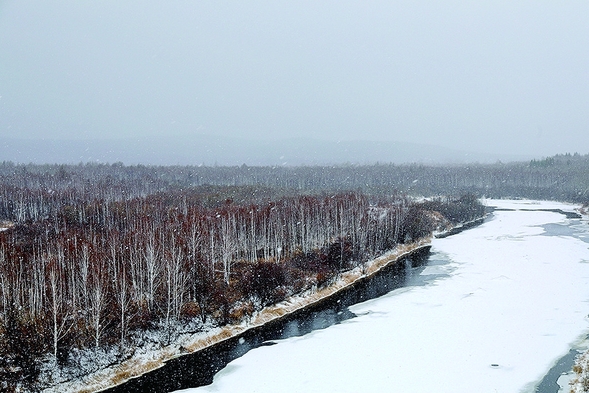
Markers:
point(513, 298)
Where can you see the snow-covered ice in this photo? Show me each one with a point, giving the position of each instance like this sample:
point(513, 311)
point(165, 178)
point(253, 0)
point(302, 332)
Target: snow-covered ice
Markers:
point(507, 306)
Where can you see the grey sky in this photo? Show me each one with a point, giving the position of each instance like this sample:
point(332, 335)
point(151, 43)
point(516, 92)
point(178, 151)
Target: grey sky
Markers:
point(490, 76)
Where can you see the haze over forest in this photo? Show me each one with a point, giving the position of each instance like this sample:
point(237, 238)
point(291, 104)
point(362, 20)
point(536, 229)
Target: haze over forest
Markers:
point(282, 83)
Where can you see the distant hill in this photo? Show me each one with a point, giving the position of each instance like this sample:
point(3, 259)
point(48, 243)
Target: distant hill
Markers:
point(211, 150)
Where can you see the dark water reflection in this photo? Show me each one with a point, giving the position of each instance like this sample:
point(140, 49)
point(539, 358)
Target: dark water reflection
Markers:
point(549, 383)
point(199, 369)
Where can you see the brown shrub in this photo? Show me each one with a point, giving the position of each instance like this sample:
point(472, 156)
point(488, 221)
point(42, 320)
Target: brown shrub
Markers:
point(190, 310)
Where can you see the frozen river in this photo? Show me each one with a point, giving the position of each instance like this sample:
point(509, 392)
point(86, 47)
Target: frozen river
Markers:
point(503, 303)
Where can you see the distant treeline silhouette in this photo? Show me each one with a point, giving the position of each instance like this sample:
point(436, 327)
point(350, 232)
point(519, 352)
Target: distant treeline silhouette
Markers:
point(562, 177)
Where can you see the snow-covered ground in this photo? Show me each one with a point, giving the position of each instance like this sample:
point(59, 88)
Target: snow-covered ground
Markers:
point(508, 305)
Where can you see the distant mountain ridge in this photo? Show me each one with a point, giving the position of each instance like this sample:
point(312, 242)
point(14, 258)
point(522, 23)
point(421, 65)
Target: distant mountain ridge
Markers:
point(212, 150)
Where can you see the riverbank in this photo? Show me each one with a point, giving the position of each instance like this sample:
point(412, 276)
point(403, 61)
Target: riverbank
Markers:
point(146, 361)
point(580, 381)
point(504, 302)
point(462, 227)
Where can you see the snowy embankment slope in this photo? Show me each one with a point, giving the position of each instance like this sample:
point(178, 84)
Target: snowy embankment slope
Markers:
point(512, 302)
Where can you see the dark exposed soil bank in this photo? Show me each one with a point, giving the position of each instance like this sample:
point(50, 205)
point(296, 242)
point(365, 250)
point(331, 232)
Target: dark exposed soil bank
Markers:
point(463, 227)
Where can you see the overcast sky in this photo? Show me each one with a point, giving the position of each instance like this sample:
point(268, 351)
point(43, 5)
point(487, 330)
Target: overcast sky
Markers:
point(491, 76)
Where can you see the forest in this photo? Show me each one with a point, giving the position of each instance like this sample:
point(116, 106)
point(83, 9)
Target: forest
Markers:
point(98, 259)
point(563, 177)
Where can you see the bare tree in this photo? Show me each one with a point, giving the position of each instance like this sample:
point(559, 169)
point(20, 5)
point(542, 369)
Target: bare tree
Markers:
point(120, 285)
point(97, 299)
point(61, 316)
point(228, 243)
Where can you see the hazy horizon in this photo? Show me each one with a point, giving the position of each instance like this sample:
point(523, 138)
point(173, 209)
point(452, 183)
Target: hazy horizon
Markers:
point(486, 79)
point(227, 151)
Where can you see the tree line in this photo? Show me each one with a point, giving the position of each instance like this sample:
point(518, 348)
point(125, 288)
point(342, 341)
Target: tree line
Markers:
point(561, 177)
point(105, 263)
